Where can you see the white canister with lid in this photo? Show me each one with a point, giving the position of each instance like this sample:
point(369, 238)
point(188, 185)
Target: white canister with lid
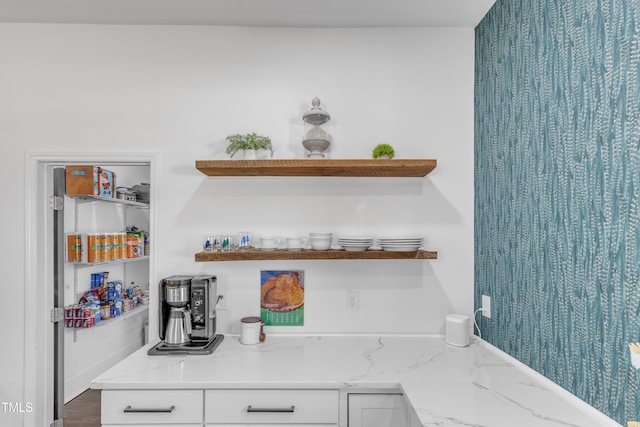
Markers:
point(252, 330)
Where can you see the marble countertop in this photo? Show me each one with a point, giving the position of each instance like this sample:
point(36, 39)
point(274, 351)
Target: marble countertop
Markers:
point(446, 385)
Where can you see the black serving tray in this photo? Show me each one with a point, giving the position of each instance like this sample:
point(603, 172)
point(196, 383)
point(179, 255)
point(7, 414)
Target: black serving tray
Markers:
point(162, 349)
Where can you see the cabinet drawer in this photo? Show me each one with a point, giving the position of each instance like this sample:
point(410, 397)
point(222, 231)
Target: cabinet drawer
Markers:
point(152, 406)
point(271, 406)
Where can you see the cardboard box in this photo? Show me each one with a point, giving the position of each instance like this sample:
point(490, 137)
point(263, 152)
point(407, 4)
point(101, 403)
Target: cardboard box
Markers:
point(90, 180)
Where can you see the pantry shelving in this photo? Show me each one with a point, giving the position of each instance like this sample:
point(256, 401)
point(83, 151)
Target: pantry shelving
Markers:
point(90, 198)
point(144, 308)
point(120, 261)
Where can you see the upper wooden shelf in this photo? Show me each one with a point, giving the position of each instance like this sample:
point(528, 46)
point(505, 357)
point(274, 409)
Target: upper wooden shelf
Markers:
point(255, 255)
point(327, 167)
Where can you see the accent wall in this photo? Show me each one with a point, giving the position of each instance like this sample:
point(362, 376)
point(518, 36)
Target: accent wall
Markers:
point(557, 181)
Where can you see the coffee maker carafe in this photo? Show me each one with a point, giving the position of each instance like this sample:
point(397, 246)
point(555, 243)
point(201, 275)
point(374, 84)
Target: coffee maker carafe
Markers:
point(177, 296)
point(187, 315)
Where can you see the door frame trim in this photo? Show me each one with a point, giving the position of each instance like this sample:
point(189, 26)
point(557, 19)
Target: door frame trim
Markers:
point(38, 342)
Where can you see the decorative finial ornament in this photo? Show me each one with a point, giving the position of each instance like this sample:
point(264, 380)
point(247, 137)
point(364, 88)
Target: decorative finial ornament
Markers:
point(316, 139)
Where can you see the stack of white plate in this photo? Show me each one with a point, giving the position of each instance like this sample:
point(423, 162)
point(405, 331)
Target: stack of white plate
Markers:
point(355, 243)
point(406, 244)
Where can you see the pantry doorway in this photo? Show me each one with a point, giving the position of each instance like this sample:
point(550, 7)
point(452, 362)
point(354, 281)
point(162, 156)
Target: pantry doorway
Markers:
point(44, 375)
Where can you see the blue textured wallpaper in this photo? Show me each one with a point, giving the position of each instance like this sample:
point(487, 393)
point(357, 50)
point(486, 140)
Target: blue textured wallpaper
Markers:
point(557, 182)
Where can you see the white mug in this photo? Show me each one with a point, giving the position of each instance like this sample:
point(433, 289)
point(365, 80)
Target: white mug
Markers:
point(295, 243)
point(252, 330)
point(269, 242)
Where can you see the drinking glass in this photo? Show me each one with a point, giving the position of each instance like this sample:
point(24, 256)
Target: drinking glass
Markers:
point(211, 243)
point(227, 243)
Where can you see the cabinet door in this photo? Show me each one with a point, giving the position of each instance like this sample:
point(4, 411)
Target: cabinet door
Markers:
point(377, 410)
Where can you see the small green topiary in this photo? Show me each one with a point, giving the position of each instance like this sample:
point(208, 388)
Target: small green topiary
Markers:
point(383, 150)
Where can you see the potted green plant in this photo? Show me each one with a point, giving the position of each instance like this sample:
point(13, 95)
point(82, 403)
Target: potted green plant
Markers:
point(383, 151)
point(249, 144)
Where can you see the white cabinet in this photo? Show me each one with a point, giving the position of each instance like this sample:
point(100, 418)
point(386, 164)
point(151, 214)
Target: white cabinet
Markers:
point(282, 407)
point(377, 410)
point(151, 407)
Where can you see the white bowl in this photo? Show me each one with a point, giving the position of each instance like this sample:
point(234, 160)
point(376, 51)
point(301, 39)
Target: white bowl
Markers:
point(320, 234)
point(320, 244)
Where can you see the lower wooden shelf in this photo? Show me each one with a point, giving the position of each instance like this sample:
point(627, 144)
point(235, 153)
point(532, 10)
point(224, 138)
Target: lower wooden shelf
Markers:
point(255, 255)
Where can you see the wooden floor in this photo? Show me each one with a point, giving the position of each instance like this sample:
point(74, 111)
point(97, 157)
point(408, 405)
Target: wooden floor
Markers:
point(84, 410)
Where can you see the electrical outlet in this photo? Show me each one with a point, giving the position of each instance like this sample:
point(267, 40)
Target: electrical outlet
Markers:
point(353, 301)
point(486, 306)
point(222, 303)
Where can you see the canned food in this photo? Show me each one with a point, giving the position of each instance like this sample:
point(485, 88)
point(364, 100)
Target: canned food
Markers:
point(105, 311)
point(132, 246)
point(86, 312)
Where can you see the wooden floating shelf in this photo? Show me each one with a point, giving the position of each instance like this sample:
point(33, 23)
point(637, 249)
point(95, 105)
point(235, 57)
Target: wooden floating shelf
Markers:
point(415, 168)
point(255, 255)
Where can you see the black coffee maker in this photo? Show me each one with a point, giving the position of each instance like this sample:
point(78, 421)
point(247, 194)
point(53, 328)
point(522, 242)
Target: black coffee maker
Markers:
point(187, 315)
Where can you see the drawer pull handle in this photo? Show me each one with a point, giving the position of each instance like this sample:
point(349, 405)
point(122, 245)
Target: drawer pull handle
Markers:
point(129, 410)
point(252, 409)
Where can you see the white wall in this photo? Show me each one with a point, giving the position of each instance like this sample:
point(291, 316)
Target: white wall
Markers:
point(180, 90)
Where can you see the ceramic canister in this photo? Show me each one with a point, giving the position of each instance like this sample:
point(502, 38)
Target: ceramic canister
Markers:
point(251, 332)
